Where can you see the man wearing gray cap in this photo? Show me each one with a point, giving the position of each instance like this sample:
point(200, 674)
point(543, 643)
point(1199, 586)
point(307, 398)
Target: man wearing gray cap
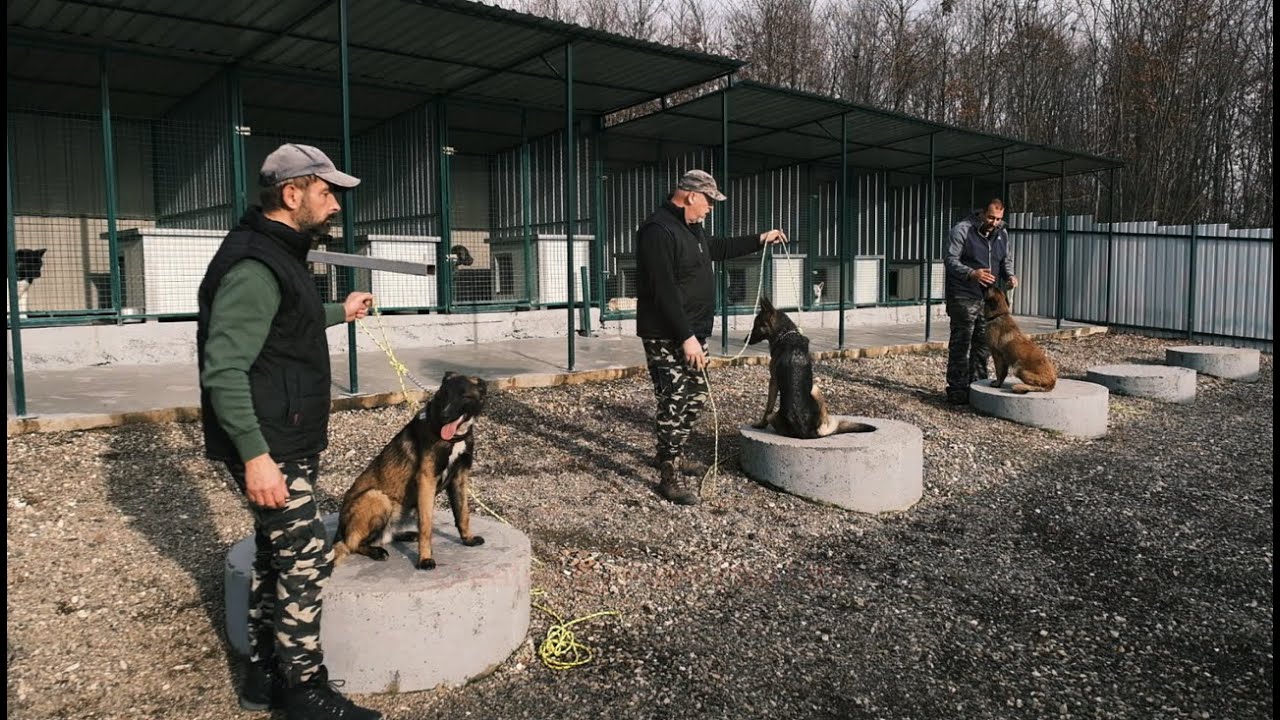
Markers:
point(675, 308)
point(264, 400)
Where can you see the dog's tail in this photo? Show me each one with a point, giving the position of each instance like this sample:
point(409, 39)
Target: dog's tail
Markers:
point(848, 426)
point(1023, 388)
point(340, 552)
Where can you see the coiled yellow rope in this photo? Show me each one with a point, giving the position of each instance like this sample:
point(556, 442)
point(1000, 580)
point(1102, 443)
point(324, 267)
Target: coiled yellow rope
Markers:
point(560, 649)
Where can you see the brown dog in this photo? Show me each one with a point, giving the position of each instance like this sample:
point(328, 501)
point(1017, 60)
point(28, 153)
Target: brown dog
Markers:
point(432, 453)
point(802, 411)
point(1012, 350)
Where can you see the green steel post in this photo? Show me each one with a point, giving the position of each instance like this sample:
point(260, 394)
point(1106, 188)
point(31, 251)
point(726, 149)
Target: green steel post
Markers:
point(886, 234)
point(584, 311)
point(1191, 284)
point(1004, 185)
point(1111, 233)
point(109, 168)
point(842, 213)
point(444, 275)
point(570, 187)
point(1062, 238)
point(526, 202)
point(722, 219)
point(348, 214)
point(239, 186)
point(930, 229)
point(15, 318)
point(597, 211)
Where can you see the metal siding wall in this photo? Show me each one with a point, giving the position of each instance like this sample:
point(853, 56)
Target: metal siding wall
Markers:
point(546, 187)
point(397, 163)
point(193, 163)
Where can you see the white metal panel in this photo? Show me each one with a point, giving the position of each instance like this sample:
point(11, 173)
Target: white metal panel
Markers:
point(398, 290)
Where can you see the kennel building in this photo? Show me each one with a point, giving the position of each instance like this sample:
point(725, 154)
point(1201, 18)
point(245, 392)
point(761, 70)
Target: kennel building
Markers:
point(517, 172)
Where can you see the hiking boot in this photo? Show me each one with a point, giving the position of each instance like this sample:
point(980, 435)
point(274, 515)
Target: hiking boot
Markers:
point(673, 485)
point(261, 690)
point(690, 468)
point(319, 699)
point(958, 397)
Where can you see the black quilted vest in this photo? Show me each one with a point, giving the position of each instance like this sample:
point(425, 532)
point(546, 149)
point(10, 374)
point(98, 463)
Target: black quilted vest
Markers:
point(290, 379)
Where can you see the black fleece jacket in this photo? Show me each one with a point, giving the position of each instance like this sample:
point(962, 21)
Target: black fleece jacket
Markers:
point(676, 293)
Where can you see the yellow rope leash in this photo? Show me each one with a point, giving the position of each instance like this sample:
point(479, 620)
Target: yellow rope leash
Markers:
point(560, 649)
point(385, 346)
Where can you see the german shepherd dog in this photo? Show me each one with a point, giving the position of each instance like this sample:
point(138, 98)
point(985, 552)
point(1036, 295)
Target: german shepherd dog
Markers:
point(802, 411)
point(432, 453)
point(1012, 350)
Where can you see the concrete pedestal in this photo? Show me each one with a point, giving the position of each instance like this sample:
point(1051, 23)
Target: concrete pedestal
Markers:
point(1223, 362)
point(389, 627)
point(1071, 408)
point(869, 472)
point(1156, 382)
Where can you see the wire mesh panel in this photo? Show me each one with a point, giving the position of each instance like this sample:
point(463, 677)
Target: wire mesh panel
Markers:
point(527, 244)
point(397, 208)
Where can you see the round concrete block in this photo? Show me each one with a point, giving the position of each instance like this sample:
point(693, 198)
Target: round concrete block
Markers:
point(870, 472)
point(389, 627)
point(1071, 408)
point(1223, 362)
point(1157, 382)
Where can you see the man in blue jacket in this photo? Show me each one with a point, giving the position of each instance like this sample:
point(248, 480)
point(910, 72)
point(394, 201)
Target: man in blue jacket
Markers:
point(977, 256)
point(675, 307)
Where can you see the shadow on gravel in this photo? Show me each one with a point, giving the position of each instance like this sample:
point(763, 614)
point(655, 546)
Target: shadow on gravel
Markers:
point(146, 480)
point(588, 440)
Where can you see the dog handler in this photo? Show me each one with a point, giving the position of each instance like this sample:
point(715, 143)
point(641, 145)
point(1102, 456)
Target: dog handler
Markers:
point(977, 248)
point(264, 401)
point(675, 308)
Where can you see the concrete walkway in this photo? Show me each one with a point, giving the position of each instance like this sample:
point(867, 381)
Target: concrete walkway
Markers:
point(61, 400)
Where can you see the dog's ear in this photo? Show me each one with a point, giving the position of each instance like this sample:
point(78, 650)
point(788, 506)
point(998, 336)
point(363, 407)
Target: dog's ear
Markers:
point(448, 374)
point(765, 304)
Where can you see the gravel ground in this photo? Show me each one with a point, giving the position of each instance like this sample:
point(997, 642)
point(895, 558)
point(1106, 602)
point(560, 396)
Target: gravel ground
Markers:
point(1040, 576)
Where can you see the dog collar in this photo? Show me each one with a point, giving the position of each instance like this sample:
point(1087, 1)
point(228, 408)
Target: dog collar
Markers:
point(793, 330)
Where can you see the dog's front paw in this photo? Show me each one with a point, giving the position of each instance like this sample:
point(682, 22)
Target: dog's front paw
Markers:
point(378, 553)
point(473, 541)
point(426, 564)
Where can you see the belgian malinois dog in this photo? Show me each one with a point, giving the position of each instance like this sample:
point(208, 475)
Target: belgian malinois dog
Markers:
point(1012, 350)
point(802, 412)
point(432, 453)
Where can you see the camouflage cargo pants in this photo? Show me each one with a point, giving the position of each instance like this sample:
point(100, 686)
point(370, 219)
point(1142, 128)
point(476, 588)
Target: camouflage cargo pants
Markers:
point(293, 560)
point(967, 351)
point(681, 392)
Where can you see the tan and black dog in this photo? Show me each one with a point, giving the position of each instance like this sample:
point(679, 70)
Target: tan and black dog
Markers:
point(1012, 350)
point(802, 412)
point(432, 453)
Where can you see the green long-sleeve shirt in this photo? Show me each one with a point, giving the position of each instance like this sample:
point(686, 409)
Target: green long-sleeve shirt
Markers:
point(244, 306)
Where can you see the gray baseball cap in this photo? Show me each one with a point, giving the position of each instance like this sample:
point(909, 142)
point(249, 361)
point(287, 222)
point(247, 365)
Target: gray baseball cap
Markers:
point(292, 160)
point(700, 181)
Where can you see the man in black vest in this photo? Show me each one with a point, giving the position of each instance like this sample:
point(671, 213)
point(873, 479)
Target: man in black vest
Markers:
point(977, 256)
point(675, 307)
point(264, 396)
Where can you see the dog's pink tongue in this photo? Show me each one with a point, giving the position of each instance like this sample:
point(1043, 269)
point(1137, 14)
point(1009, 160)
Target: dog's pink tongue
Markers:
point(448, 431)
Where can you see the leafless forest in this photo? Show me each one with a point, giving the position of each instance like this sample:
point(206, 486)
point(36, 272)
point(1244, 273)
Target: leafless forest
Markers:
point(1180, 90)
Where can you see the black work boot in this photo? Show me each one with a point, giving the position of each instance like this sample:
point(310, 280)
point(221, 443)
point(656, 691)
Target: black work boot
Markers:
point(673, 485)
point(319, 699)
point(262, 688)
point(958, 397)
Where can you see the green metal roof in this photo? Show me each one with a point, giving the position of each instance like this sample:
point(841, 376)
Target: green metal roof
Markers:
point(771, 126)
point(411, 48)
